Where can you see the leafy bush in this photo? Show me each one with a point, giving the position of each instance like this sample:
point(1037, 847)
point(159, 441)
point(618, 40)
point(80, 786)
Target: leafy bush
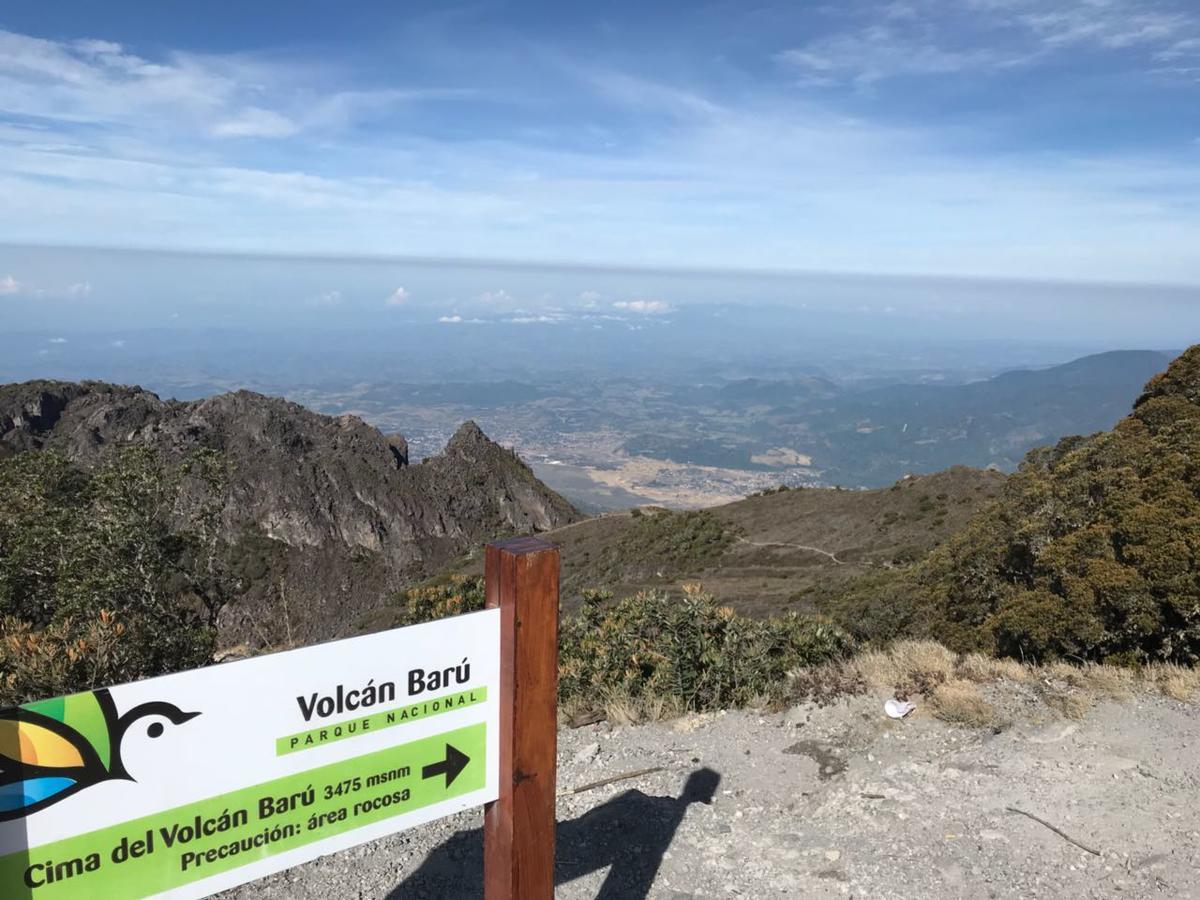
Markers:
point(1089, 553)
point(677, 539)
point(90, 555)
point(690, 653)
point(458, 594)
point(693, 651)
point(61, 658)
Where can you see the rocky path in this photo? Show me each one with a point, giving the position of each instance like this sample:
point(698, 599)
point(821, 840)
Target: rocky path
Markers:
point(837, 801)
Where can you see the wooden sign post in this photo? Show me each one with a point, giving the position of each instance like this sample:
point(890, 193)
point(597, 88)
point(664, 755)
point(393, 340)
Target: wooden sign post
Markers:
point(518, 828)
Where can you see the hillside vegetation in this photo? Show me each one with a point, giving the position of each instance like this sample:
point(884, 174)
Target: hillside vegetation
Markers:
point(651, 655)
point(1089, 553)
point(770, 553)
point(108, 574)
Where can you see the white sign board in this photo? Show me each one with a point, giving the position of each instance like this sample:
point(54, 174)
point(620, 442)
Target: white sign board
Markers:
point(188, 784)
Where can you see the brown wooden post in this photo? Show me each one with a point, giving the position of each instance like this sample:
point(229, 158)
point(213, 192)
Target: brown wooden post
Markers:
point(518, 828)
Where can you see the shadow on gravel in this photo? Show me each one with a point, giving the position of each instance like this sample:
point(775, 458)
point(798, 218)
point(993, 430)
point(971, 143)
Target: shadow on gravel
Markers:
point(628, 835)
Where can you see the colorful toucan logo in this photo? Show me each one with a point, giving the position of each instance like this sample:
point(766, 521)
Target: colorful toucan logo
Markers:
point(52, 749)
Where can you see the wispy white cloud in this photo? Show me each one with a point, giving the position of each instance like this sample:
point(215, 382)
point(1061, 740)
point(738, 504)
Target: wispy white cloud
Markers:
point(496, 297)
point(185, 156)
point(456, 319)
point(223, 97)
point(79, 289)
point(645, 307)
point(1105, 24)
point(398, 297)
point(928, 38)
point(9, 285)
point(327, 298)
point(885, 51)
point(57, 340)
point(253, 122)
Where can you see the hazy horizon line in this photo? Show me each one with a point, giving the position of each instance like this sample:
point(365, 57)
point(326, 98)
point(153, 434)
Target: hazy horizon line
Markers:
point(475, 262)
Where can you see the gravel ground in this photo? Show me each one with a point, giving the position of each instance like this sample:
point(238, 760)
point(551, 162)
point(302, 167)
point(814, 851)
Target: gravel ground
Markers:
point(838, 801)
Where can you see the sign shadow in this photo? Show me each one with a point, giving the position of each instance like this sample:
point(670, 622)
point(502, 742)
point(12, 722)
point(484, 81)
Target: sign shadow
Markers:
point(628, 835)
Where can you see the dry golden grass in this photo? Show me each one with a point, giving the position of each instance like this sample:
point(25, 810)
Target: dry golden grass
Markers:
point(906, 666)
point(1069, 703)
point(1109, 681)
point(827, 682)
point(948, 681)
point(982, 669)
point(621, 709)
point(960, 703)
point(1173, 681)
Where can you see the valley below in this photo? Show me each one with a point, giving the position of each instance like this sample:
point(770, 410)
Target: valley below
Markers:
point(610, 444)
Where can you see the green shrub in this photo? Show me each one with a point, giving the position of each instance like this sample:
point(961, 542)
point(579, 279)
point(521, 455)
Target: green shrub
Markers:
point(1090, 551)
point(680, 540)
point(692, 651)
point(457, 594)
point(62, 657)
point(129, 549)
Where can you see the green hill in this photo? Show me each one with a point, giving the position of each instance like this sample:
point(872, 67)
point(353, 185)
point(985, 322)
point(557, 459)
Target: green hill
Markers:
point(1089, 552)
point(774, 551)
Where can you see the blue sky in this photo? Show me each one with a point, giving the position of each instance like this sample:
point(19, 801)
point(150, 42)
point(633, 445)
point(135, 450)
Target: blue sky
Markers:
point(1055, 139)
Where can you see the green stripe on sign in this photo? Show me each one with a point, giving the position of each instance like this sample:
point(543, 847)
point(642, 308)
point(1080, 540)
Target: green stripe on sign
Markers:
point(166, 850)
point(340, 731)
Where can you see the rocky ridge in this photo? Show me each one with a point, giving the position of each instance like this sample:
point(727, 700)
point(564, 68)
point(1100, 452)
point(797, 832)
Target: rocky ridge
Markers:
point(333, 505)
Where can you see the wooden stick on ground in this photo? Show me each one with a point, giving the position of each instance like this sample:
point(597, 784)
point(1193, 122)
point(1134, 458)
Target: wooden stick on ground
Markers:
point(603, 781)
point(1062, 834)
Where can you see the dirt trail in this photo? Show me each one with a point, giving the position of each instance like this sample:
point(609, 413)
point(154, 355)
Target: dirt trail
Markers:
point(836, 561)
point(838, 802)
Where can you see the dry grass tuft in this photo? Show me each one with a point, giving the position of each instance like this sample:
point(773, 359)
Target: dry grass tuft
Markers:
point(983, 669)
point(1173, 681)
point(622, 709)
point(960, 703)
point(1109, 681)
point(907, 666)
point(1069, 703)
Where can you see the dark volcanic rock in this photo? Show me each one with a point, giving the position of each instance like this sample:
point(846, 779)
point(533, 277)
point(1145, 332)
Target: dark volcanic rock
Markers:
point(352, 519)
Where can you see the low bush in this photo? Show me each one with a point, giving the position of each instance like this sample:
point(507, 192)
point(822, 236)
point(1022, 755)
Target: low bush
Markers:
point(677, 539)
point(457, 594)
point(652, 650)
point(129, 549)
point(692, 651)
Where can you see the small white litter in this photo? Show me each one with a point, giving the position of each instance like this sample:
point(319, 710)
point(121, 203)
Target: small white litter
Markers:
point(898, 709)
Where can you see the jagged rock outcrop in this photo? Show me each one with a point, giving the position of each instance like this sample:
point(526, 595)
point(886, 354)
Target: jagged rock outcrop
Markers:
point(351, 517)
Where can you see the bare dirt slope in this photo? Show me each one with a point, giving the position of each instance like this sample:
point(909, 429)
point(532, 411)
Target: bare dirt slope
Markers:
point(839, 802)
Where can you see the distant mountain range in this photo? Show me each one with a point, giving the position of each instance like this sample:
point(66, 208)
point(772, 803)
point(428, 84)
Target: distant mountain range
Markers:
point(870, 438)
point(330, 507)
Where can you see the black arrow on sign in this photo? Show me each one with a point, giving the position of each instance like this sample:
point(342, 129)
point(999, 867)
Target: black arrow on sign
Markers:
point(452, 765)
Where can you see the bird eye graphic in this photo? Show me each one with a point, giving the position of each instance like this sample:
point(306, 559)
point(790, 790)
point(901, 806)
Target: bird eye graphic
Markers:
point(54, 748)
